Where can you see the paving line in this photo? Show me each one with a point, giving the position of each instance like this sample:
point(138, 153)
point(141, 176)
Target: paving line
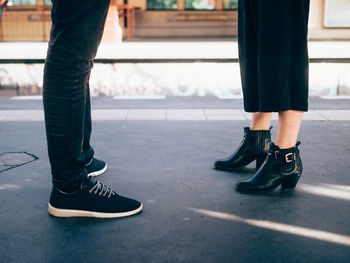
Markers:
point(109, 115)
point(171, 115)
point(186, 115)
point(335, 115)
point(149, 115)
point(214, 114)
point(155, 97)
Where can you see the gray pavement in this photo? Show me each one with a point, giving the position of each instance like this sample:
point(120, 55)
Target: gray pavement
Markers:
point(191, 212)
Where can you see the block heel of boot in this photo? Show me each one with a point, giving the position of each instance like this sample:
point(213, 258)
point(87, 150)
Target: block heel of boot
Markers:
point(260, 160)
point(291, 181)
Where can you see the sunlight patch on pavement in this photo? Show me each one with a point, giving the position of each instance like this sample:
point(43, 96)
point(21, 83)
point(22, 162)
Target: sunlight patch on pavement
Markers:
point(328, 190)
point(39, 97)
point(279, 227)
point(9, 187)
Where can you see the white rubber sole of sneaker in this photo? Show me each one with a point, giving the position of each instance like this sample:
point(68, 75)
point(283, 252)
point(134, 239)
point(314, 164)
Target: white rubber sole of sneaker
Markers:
point(81, 213)
point(97, 173)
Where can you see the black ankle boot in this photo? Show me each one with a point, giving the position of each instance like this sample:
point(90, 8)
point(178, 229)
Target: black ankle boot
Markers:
point(254, 146)
point(281, 167)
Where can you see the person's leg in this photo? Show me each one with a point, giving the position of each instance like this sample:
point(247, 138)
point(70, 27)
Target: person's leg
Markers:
point(94, 166)
point(283, 88)
point(260, 121)
point(64, 108)
point(87, 149)
point(289, 123)
point(73, 45)
point(256, 139)
point(254, 145)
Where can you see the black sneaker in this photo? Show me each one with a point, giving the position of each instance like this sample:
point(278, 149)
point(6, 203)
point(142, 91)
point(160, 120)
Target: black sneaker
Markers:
point(96, 167)
point(93, 199)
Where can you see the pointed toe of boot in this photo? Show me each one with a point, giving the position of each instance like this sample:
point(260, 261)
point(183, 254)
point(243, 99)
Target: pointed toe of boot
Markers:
point(245, 186)
point(220, 165)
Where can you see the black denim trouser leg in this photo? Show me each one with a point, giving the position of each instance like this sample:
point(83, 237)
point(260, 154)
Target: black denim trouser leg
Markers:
point(72, 47)
point(87, 149)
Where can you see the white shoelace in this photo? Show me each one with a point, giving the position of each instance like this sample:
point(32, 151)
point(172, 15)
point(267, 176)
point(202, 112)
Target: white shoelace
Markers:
point(102, 189)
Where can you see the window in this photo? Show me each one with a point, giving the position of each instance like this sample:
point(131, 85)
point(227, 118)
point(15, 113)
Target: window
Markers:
point(192, 4)
point(28, 2)
point(200, 4)
point(337, 13)
point(230, 4)
point(21, 2)
point(162, 4)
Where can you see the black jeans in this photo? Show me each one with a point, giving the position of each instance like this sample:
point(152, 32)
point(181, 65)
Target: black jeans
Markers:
point(74, 40)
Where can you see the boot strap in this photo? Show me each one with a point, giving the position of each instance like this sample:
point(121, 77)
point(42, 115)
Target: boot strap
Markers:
point(288, 158)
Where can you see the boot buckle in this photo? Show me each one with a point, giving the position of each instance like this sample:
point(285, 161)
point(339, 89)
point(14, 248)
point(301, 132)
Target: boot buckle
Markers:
point(289, 160)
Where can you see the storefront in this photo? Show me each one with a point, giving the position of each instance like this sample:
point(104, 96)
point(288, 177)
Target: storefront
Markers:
point(329, 19)
point(29, 20)
point(185, 18)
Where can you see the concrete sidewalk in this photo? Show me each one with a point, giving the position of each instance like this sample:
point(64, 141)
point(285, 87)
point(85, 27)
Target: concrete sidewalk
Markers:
point(29, 108)
point(141, 51)
point(191, 212)
point(142, 69)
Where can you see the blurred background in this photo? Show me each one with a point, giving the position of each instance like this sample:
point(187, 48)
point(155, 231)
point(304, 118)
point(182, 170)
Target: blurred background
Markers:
point(29, 20)
point(157, 48)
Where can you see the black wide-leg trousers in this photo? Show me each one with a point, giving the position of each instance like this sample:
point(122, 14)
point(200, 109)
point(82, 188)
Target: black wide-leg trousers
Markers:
point(273, 54)
point(75, 36)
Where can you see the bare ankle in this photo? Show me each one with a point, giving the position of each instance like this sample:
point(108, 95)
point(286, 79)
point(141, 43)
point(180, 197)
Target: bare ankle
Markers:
point(285, 145)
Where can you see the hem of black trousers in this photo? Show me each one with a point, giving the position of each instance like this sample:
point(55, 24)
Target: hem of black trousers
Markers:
point(71, 184)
